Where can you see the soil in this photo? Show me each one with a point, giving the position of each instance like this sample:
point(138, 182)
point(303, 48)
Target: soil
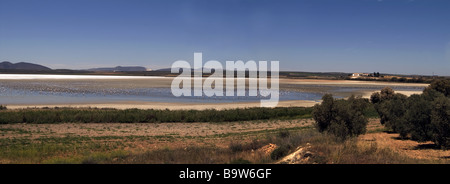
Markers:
point(145, 129)
point(410, 148)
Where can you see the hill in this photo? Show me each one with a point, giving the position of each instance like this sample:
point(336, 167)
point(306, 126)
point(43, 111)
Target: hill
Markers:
point(5, 65)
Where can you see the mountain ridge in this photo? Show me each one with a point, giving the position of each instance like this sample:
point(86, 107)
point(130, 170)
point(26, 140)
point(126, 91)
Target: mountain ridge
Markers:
point(6, 65)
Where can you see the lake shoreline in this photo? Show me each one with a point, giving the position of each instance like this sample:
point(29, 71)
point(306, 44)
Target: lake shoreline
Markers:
point(100, 84)
point(165, 105)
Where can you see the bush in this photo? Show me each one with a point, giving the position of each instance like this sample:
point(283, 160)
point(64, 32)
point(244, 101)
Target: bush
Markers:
point(442, 86)
point(236, 147)
point(375, 97)
point(240, 161)
point(2, 107)
point(342, 118)
point(418, 118)
point(424, 117)
point(391, 108)
point(95, 115)
point(280, 152)
point(440, 122)
point(284, 133)
point(323, 113)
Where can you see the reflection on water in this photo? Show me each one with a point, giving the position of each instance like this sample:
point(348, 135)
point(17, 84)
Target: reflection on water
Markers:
point(55, 89)
point(42, 92)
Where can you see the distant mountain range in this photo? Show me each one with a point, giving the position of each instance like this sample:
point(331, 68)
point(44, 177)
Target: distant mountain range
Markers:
point(5, 65)
point(23, 66)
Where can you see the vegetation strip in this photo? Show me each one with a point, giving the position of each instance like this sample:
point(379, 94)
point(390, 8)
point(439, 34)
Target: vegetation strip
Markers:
point(95, 115)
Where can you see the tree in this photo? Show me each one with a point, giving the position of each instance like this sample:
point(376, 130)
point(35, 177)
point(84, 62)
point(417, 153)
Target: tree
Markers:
point(375, 98)
point(440, 122)
point(442, 86)
point(391, 108)
point(392, 112)
point(418, 118)
point(323, 113)
point(389, 105)
point(386, 93)
point(424, 117)
point(342, 118)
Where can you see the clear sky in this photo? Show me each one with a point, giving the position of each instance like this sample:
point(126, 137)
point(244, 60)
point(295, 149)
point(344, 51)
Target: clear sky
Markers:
point(386, 36)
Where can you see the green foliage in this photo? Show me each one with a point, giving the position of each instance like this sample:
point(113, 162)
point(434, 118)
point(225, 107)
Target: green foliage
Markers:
point(391, 108)
point(280, 152)
point(236, 147)
point(440, 122)
point(94, 115)
point(371, 112)
point(342, 118)
point(2, 107)
point(284, 133)
point(417, 118)
point(375, 97)
point(386, 93)
point(442, 86)
point(393, 112)
point(424, 117)
point(240, 161)
point(323, 113)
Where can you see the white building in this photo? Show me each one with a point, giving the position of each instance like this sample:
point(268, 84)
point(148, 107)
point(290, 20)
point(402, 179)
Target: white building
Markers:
point(356, 75)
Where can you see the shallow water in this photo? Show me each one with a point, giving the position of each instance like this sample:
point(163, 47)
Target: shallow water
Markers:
point(48, 89)
point(75, 95)
point(59, 89)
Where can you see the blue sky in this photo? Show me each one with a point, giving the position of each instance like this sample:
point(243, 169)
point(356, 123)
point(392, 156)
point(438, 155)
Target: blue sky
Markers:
point(387, 36)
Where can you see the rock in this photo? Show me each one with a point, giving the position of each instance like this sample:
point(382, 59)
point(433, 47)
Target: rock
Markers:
point(307, 154)
point(268, 149)
point(301, 156)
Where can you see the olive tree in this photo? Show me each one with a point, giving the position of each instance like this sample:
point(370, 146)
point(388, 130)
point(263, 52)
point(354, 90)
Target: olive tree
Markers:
point(342, 118)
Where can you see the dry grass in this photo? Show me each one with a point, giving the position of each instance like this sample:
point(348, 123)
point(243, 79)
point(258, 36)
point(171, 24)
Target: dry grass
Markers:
point(145, 129)
point(412, 149)
point(239, 142)
point(138, 143)
point(426, 152)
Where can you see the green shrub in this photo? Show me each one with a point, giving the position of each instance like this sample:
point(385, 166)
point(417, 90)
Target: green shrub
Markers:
point(323, 113)
point(283, 133)
point(280, 152)
point(240, 161)
point(94, 115)
point(391, 108)
point(442, 86)
point(342, 118)
point(417, 118)
point(2, 107)
point(440, 122)
point(424, 117)
point(236, 147)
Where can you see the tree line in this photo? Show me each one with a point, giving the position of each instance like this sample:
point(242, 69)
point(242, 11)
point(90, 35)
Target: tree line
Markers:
point(424, 117)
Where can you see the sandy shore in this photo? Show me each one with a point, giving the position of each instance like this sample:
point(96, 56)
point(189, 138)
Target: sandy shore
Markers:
point(407, 93)
point(365, 89)
point(349, 82)
point(171, 106)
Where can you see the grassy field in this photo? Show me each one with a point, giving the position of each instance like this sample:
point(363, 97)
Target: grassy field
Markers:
point(252, 135)
point(263, 141)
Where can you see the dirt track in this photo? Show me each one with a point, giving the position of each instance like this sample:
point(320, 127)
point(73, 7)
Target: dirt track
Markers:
point(144, 129)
